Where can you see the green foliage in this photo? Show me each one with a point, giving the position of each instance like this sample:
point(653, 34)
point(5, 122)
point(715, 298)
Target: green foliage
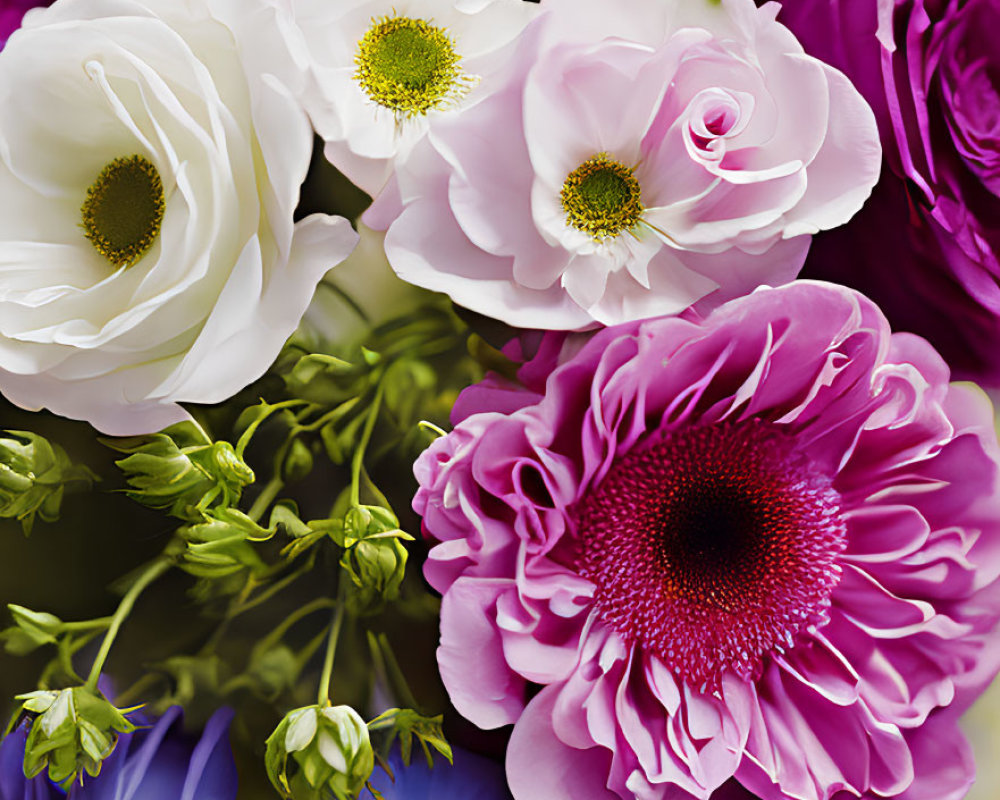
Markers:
point(33, 475)
point(374, 557)
point(222, 544)
point(335, 437)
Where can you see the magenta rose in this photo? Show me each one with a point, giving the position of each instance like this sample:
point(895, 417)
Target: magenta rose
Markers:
point(931, 71)
point(757, 549)
point(11, 13)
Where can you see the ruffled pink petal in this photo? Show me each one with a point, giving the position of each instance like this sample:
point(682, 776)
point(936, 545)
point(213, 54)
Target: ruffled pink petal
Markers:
point(480, 684)
point(541, 767)
point(942, 759)
point(803, 746)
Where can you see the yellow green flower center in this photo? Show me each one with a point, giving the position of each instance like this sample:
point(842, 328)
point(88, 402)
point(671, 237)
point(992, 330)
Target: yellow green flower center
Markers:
point(409, 65)
point(124, 210)
point(602, 197)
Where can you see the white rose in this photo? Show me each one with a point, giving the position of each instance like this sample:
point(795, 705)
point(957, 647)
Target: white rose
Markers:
point(148, 176)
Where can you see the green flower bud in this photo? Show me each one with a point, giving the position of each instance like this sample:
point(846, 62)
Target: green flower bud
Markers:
point(298, 463)
point(31, 630)
point(229, 467)
point(273, 671)
point(33, 475)
point(74, 730)
point(220, 544)
point(330, 747)
point(376, 567)
point(374, 555)
point(325, 380)
point(181, 471)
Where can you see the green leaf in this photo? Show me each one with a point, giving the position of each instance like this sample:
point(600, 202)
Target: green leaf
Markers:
point(407, 725)
point(285, 517)
point(275, 759)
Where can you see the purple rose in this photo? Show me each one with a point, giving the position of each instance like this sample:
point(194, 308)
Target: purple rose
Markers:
point(931, 71)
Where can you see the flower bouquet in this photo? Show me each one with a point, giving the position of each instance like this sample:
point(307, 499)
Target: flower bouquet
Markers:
point(489, 398)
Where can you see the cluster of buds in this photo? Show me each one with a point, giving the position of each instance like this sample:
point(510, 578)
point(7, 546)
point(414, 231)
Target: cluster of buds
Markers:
point(330, 746)
point(33, 475)
point(73, 731)
point(182, 471)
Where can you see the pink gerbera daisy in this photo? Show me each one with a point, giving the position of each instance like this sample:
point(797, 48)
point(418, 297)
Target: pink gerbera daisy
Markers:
point(755, 549)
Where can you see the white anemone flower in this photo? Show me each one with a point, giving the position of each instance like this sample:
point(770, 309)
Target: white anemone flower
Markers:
point(148, 178)
point(380, 72)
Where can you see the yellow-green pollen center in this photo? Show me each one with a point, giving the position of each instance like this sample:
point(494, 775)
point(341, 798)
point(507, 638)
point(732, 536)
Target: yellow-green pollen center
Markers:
point(602, 197)
point(124, 210)
point(408, 65)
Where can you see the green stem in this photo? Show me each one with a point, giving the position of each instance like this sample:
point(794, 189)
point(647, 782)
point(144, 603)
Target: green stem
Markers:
point(359, 454)
point(349, 301)
point(244, 440)
point(323, 696)
point(279, 632)
point(306, 653)
point(265, 498)
point(87, 625)
point(153, 571)
point(223, 626)
point(137, 689)
point(330, 416)
point(272, 590)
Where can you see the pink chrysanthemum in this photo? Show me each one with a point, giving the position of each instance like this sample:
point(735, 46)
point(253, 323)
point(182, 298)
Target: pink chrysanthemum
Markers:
point(758, 550)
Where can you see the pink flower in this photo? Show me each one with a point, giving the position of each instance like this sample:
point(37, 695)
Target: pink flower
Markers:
point(761, 545)
point(640, 160)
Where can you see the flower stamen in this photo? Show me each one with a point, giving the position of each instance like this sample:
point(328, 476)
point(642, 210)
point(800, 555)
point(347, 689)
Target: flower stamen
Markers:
point(409, 66)
point(602, 197)
point(124, 209)
point(712, 548)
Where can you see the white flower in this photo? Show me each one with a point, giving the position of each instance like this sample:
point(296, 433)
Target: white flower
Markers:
point(646, 156)
point(378, 73)
point(148, 176)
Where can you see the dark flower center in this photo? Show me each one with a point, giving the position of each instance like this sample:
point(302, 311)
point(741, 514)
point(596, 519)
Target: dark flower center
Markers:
point(712, 548)
point(123, 210)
